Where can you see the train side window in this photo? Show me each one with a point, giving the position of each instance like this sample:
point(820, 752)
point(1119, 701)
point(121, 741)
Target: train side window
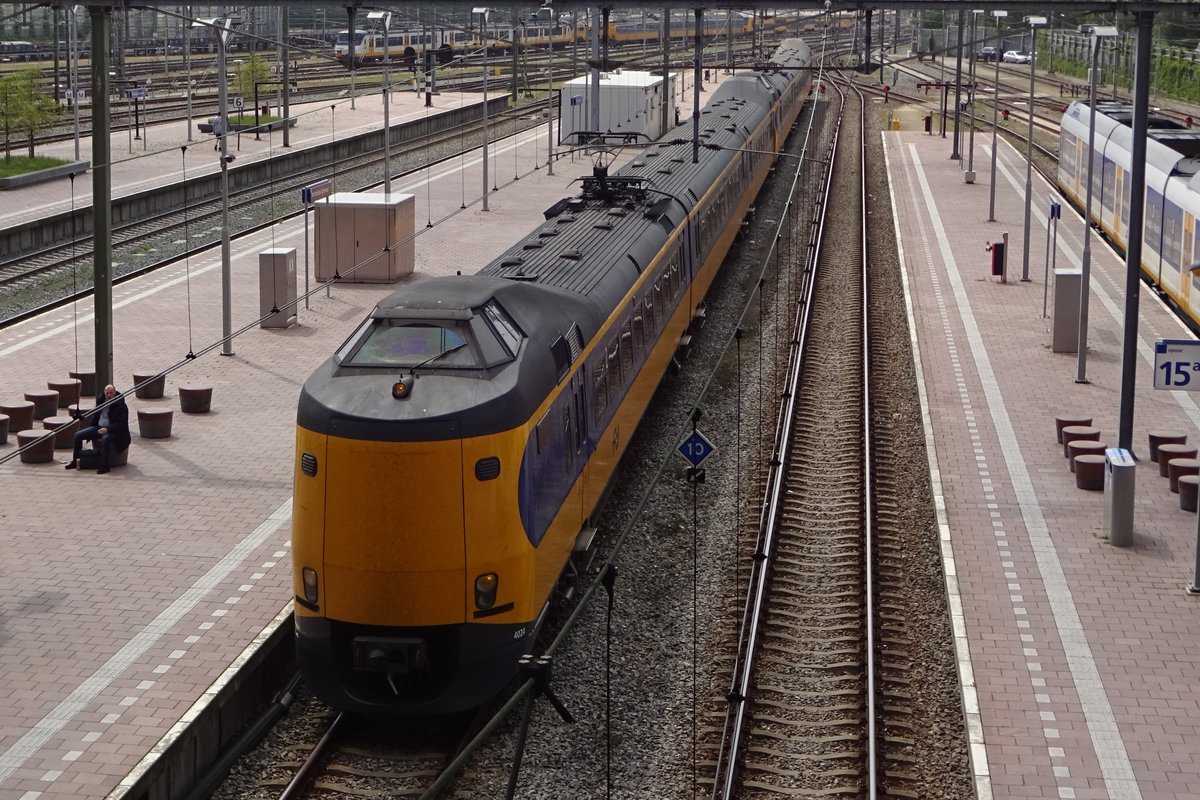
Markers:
point(542, 434)
point(626, 342)
point(508, 331)
point(599, 393)
point(612, 366)
point(648, 313)
point(639, 335)
point(568, 437)
point(658, 300)
point(580, 417)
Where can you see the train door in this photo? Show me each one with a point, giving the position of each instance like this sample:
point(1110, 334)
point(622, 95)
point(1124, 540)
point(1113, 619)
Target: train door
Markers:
point(1188, 257)
point(1119, 203)
point(577, 434)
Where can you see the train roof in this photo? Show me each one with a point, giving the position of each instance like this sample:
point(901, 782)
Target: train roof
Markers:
point(1172, 147)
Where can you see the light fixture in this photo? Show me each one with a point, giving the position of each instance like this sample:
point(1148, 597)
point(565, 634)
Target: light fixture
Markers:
point(485, 590)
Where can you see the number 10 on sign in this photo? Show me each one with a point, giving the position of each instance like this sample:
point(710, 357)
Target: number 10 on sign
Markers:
point(1177, 364)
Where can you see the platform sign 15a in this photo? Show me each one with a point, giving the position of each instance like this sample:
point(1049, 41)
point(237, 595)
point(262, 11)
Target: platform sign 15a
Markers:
point(1177, 364)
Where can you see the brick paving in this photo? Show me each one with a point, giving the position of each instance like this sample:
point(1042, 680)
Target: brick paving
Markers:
point(1072, 650)
point(129, 593)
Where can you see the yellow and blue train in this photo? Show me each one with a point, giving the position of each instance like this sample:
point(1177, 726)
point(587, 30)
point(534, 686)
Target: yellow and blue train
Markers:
point(450, 453)
point(407, 46)
point(1171, 237)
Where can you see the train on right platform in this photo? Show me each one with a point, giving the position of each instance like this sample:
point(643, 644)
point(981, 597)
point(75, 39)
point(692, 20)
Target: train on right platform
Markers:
point(1171, 237)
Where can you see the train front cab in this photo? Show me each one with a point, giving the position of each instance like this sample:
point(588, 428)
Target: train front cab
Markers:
point(395, 609)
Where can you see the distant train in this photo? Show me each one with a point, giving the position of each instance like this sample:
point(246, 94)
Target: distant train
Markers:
point(25, 51)
point(542, 30)
point(1171, 236)
point(451, 454)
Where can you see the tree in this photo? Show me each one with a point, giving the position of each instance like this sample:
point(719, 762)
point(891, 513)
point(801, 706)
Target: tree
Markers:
point(251, 71)
point(23, 107)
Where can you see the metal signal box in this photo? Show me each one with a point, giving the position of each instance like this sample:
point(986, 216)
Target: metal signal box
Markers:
point(365, 238)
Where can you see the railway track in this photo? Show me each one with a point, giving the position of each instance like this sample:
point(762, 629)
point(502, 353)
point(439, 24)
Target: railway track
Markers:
point(825, 652)
point(354, 757)
point(177, 234)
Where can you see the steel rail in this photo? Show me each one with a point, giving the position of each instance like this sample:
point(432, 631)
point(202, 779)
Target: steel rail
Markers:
point(868, 483)
point(299, 781)
point(756, 598)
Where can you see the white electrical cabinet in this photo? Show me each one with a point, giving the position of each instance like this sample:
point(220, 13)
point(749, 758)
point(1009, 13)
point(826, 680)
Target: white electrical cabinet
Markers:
point(365, 238)
point(631, 103)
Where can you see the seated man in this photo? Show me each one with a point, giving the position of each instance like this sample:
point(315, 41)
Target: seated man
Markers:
point(110, 426)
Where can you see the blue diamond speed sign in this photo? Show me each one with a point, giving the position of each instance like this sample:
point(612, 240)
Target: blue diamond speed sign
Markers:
point(696, 448)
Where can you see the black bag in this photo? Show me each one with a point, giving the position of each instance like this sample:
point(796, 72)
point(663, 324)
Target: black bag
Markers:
point(91, 458)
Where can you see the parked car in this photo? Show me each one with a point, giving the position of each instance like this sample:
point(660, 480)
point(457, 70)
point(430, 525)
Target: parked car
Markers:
point(1017, 57)
point(989, 54)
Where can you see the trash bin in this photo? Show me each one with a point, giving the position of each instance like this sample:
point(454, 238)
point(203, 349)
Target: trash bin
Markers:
point(928, 123)
point(1118, 496)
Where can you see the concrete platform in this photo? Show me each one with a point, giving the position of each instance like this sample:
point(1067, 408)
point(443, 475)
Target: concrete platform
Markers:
point(1074, 654)
point(128, 594)
point(158, 157)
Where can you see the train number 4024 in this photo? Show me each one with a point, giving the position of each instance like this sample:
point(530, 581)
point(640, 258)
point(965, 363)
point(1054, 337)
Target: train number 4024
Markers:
point(1178, 374)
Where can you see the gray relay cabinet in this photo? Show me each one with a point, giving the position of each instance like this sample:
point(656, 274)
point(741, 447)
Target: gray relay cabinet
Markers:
point(277, 287)
point(356, 229)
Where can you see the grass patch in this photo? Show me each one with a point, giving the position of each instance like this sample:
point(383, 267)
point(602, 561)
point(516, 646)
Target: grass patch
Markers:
point(20, 165)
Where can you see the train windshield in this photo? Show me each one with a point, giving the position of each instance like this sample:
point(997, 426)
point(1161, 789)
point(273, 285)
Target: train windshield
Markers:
point(408, 343)
point(343, 37)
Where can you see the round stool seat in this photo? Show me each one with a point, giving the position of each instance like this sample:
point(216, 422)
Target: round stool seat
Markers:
point(1089, 472)
point(1168, 451)
point(1072, 432)
point(20, 415)
point(148, 387)
point(68, 391)
point(39, 452)
point(64, 429)
point(195, 399)
point(45, 403)
point(1062, 422)
point(1178, 467)
point(1164, 437)
point(87, 382)
point(4, 428)
point(1189, 487)
point(1081, 446)
point(154, 423)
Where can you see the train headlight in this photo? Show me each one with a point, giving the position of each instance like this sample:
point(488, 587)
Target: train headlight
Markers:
point(309, 576)
point(485, 590)
point(402, 388)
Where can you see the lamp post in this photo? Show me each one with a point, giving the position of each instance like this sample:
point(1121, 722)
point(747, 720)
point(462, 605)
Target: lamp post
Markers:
point(351, 35)
point(222, 29)
point(955, 154)
point(550, 122)
point(1034, 24)
point(999, 15)
point(482, 11)
point(73, 73)
point(386, 16)
point(969, 175)
point(1099, 33)
point(185, 33)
